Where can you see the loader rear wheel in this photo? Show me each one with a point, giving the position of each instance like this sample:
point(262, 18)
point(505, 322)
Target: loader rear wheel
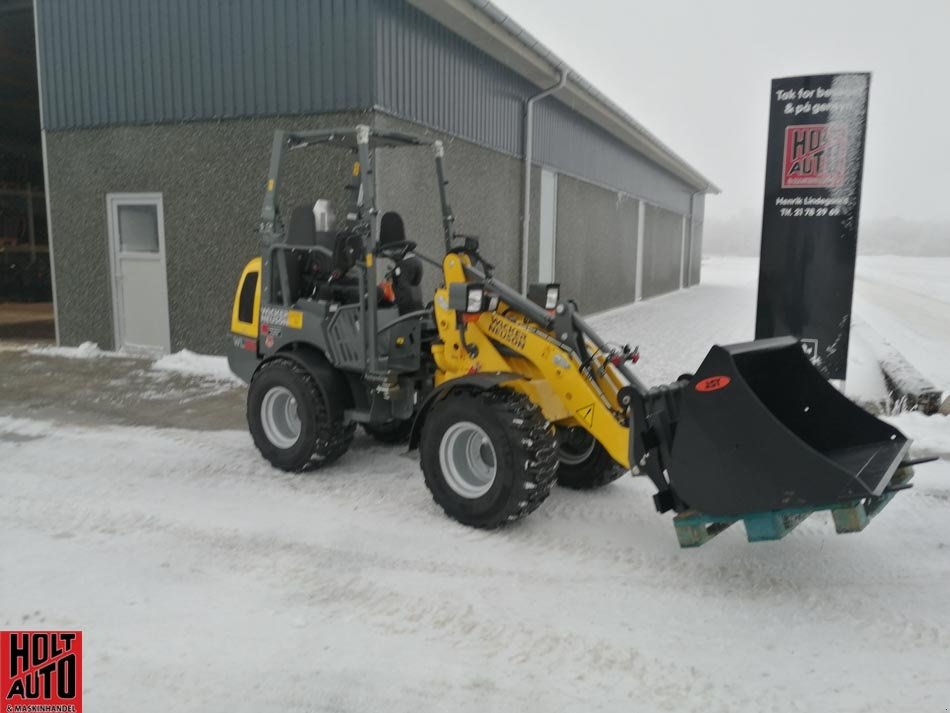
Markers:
point(393, 432)
point(488, 457)
point(289, 419)
point(585, 464)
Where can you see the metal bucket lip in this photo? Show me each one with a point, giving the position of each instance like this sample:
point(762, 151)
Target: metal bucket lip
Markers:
point(842, 480)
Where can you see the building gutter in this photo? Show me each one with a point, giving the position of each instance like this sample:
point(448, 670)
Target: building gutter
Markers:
point(46, 184)
point(528, 155)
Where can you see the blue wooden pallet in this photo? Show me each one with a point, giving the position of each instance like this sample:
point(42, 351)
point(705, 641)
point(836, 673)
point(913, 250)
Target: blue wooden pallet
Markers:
point(694, 529)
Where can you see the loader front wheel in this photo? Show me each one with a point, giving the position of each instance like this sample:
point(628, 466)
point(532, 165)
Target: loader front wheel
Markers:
point(289, 419)
point(489, 457)
point(585, 464)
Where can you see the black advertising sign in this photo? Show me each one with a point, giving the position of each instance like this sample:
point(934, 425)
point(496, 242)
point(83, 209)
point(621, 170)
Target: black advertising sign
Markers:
point(810, 221)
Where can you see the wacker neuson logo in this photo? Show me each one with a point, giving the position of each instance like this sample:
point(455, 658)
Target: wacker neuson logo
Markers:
point(40, 672)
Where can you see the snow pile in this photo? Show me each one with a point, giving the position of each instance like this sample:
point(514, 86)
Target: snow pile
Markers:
point(931, 434)
point(25, 427)
point(865, 382)
point(86, 350)
point(907, 301)
point(186, 362)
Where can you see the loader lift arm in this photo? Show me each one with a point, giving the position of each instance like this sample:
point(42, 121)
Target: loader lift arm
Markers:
point(650, 413)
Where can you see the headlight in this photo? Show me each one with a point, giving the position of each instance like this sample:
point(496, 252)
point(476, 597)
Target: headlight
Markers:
point(545, 295)
point(476, 296)
point(466, 297)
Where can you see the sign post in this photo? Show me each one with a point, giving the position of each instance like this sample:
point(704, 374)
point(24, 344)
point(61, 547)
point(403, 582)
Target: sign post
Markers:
point(810, 220)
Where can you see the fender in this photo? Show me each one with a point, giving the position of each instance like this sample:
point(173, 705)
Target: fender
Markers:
point(332, 383)
point(475, 382)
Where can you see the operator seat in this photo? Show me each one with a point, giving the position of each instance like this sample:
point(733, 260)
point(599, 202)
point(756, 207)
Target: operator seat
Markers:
point(407, 277)
point(317, 273)
point(300, 231)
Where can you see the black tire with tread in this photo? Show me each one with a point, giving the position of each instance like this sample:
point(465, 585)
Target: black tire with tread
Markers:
point(595, 471)
point(393, 433)
point(525, 450)
point(322, 439)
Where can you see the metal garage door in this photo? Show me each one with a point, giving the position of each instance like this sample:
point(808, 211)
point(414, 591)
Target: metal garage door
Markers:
point(662, 251)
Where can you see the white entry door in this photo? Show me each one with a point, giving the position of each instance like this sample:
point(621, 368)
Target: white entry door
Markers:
point(547, 226)
point(139, 285)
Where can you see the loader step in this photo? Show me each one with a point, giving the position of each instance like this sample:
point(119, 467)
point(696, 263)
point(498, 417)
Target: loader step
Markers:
point(694, 528)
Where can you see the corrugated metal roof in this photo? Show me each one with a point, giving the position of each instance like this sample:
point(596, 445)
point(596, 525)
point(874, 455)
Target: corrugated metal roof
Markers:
point(108, 62)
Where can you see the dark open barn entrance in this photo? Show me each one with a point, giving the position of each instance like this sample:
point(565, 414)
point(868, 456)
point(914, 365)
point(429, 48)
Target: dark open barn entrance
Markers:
point(26, 309)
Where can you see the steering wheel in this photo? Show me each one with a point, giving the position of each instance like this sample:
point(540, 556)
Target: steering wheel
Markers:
point(396, 250)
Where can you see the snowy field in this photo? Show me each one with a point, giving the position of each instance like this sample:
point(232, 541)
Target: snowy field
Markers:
point(203, 580)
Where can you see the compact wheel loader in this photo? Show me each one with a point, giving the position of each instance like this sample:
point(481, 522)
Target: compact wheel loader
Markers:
point(506, 394)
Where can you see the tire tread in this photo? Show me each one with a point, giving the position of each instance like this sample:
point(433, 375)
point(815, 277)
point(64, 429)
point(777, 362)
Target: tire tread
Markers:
point(331, 438)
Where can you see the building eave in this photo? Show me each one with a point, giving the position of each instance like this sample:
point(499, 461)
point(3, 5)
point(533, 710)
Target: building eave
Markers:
point(492, 31)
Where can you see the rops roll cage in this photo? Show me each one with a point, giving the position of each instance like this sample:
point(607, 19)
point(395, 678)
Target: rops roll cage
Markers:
point(362, 140)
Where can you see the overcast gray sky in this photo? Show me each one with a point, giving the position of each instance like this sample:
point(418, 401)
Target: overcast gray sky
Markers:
point(697, 75)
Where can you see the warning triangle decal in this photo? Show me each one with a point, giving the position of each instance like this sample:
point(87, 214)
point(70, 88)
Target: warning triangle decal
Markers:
point(586, 414)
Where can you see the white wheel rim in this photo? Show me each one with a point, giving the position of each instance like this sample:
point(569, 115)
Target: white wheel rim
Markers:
point(569, 455)
point(279, 417)
point(468, 461)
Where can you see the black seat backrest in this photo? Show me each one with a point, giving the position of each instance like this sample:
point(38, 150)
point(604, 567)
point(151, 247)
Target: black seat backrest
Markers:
point(391, 228)
point(408, 277)
point(302, 229)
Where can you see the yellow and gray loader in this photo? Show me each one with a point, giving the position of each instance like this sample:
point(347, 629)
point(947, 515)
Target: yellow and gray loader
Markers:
point(505, 394)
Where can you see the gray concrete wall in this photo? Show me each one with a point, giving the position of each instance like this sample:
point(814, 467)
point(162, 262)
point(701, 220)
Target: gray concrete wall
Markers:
point(662, 251)
point(212, 178)
point(596, 253)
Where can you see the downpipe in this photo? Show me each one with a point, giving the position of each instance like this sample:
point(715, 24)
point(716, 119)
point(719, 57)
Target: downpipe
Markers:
point(528, 155)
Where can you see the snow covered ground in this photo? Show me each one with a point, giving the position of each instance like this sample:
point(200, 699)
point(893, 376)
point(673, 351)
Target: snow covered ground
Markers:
point(205, 580)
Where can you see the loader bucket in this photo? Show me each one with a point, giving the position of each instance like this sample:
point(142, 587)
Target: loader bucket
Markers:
point(760, 429)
